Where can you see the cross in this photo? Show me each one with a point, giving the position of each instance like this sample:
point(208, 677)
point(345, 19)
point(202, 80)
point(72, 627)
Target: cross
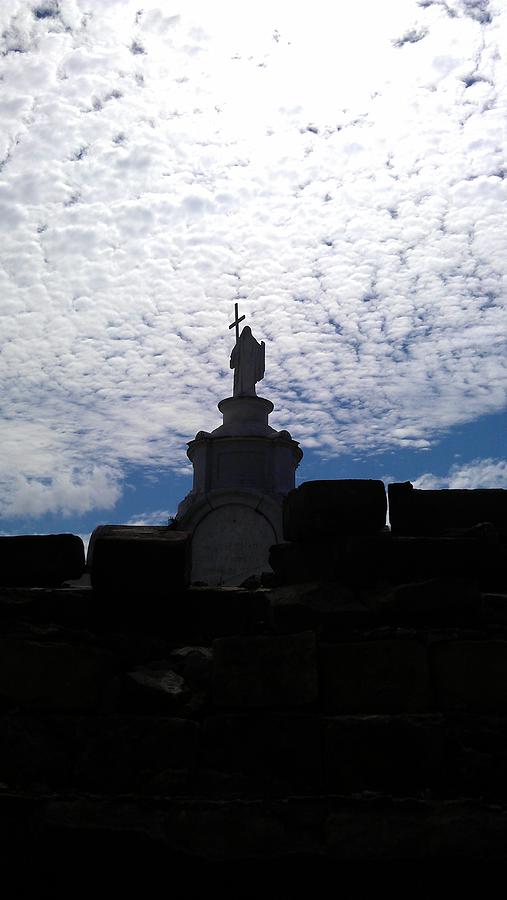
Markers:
point(237, 320)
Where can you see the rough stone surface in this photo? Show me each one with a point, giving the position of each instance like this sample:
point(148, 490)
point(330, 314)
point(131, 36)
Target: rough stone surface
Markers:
point(438, 599)
point(179, 685)
point(303, 561)
point(217, 560)
point(211, 613)
point(375, 676)
point(314, 606)
point(35, 751)
point(144, 754)
point(341, 722)
point(494, 608)
point(414, 831)
point(320, 509)
point(413, 512)
point(395, 754)
point(265, 671)
point(391, 559)
point(477, 756)
point(470, 675)
point(273, 754)
point(383, 559)
point(132, 558)
point(40, 560)
point(52, 676)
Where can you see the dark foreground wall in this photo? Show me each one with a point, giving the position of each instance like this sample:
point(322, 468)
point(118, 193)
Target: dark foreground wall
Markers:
point(304, 728)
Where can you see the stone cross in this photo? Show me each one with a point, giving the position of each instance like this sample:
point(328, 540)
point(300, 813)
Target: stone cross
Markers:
point(237, 320)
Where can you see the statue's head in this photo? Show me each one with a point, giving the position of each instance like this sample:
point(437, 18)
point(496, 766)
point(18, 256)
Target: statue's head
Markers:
point(246, 330)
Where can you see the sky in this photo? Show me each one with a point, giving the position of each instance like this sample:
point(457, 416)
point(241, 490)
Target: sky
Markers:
point(337, 168)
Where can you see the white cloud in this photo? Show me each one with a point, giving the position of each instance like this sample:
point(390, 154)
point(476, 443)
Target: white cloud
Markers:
point(480, 473)
point(344, 179)
point(65, 492)
point(151, 517)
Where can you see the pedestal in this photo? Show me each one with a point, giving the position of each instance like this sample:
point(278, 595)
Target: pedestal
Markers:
point(242, 471)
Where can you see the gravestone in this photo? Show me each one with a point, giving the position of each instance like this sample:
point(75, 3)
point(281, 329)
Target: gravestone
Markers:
point(242, 471)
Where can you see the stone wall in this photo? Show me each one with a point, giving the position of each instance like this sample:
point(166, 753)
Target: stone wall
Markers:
point(354, 710)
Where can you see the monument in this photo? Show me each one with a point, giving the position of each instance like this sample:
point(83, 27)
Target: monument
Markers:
point(242, 471)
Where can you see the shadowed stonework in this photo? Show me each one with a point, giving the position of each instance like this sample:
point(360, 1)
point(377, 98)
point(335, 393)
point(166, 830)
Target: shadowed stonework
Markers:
point(355, 712)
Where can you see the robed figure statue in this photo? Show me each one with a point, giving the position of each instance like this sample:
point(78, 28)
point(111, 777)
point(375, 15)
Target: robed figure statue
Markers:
point(248, 361)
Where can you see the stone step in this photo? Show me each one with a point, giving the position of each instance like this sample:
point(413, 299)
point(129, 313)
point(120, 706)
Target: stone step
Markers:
point(40, 560)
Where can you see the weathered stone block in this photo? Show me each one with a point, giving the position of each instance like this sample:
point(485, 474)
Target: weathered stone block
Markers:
point(434, 600)
point(494, 608)
point(470, 675)
point(377, 831)
point(65, 606)
point(320, 509)
point(179, 685)
point(228, 831)
point(478, 756)
point(393, 559)
point(35, 751)
point(316, 607)
point(303, 561)
point(265, 671)
point(136, 754)
point(130, 558)
point(40, 560)
point(264, 755)
point(414, 512)
point(392, 754)
point(452, 833)
point(52, 676)
point(375, 676)
point(221, 612)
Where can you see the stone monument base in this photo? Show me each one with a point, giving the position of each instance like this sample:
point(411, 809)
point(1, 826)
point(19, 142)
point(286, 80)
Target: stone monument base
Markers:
point(242, 471)
point(251, 523)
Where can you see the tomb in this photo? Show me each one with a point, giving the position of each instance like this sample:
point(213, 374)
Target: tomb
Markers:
point(243, 469)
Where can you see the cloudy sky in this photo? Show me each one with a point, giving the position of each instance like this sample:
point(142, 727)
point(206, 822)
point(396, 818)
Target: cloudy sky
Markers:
point(337, 168)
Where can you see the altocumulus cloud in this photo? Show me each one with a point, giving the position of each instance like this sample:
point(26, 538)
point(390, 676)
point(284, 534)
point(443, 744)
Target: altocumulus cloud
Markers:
point(343, 176)
point(480, 473)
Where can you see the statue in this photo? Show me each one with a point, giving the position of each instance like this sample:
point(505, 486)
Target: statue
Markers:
point(247, 360)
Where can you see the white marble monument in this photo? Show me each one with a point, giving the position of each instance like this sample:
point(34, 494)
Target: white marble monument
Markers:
point(242, 470)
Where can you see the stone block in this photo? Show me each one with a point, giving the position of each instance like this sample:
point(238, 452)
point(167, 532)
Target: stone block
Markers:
point(437, 600)
point(136, 754)
point(470, 675)
point(65, 606)
point(52, 676)
point(132, 558)
point(392, 754)
point(265, 671)
point(393, 559)
point(40, 560)
point(219, 612)
point(478, 756)
point(179, 685)
point(261, 755)
point(35, 751)
point(418, 512)
point(229, 832)
point(320, 509)
point(302, 561)
point(377, 832)
point(452, 834)
point(494, 608)
point(378, 676)
point(316, 607)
